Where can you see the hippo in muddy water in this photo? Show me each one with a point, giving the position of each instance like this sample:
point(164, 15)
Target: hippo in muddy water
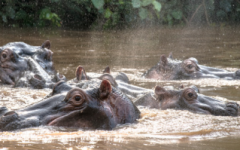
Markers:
point(23, 65)
point(102, 107)
point(80, 74)
point(184, 99)
point(187, 99)
point(118, 79)
point(41, 54)
point(170, 69)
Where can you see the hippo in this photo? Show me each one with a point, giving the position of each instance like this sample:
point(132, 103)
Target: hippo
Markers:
point(118, 80)
point(41, 54)
point(22, 65)
point(80, 74)
point(102, 107)
point(162, 98)
point(187, 99)
point(169, 69)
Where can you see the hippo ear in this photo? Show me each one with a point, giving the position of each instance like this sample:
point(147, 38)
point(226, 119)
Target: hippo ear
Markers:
point(163, 60)
point(109, 78)
point(107, 70)
point(170, 55)
point(181, 86)
point(46, 44)
point(79, 73)
point(105, 89)
point(159, 92)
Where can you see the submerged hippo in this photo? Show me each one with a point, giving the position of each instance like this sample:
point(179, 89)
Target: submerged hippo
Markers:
point(187, 99)
point(170, 69)
point(41, 54)
point(118, 80)
point(25, 65)
point(80, 74)
point(102, 107)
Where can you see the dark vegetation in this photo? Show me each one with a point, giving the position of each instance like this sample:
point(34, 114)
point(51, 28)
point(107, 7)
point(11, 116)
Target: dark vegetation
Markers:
point(107, 14)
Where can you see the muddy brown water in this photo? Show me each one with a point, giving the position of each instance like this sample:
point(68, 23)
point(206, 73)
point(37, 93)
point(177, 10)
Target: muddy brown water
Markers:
point(133, 52)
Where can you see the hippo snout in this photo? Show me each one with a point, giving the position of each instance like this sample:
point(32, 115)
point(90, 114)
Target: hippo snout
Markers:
point(237, 74)
point(37, 81)
point(232, 108)
point(8, 118)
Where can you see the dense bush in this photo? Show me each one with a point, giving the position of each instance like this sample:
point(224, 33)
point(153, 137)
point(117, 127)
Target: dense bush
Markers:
point(83, 14)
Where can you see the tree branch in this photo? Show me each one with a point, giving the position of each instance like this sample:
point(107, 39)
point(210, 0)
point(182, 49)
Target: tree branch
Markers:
point(195, 13)
point(206, 15)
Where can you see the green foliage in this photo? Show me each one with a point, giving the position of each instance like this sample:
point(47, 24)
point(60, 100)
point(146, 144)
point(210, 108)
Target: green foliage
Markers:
point(98, 3)
point(23, 13)
point(157, 5)
point(136, 3)
point(45, 15)
point(108, 14)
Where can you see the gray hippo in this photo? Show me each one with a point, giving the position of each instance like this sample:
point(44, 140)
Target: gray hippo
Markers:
point(187, 99)
point(119, 80)
point(184, 99)
point(169, 69)
point(23, 65)
point(101, 107)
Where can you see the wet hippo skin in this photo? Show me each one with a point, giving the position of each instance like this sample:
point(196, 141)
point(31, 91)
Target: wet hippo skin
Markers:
point(102, 107)
point(169, 69)
point(187, 99)
point(23, 65)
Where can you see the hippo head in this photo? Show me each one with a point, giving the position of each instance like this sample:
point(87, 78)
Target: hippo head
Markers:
point(169, 69)
point(43, 55)
point(97, 108)
point(190, 99)
point(81, 75)
point(11, 66)
point(23, 65)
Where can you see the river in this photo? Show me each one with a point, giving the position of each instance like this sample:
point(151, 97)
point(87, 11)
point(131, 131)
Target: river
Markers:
point(133, 52)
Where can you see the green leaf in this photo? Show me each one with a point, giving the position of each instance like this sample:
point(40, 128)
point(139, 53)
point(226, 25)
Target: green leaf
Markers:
point(54, 1)
point(98, 3)
point(157, 5)
point(177, 14)
point(121, 2)
point(147, 2)
point(143, 13)
point(108, 13)
point(221, 14)
point(169, 18)
point(4, 18)
point(21, 15)
point(10, 12)
point(136, 3)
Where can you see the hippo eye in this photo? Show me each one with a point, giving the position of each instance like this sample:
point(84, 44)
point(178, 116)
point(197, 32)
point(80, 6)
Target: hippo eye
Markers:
point(77, 98)
point(189, 66)
point(4, 56)
point(189, 94)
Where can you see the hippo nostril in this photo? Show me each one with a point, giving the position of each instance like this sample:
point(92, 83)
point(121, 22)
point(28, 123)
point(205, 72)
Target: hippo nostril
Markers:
point(9, 113)
point(36, 76)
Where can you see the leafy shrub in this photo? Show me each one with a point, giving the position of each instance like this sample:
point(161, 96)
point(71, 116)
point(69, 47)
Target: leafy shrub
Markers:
point(108, 14)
